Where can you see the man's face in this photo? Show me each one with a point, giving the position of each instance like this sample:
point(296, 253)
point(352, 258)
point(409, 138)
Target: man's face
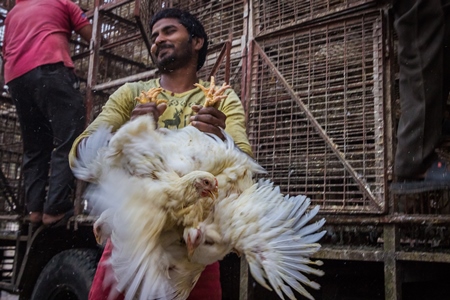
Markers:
point(172, 47)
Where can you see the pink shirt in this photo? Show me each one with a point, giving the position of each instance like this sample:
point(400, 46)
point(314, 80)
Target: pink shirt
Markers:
point(37, 33)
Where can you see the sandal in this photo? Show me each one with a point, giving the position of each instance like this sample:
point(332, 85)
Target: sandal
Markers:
point(436, 178)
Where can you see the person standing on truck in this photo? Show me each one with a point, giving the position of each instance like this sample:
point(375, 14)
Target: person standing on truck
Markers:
point(40, 76)
point(423, 28)
point(179, 48)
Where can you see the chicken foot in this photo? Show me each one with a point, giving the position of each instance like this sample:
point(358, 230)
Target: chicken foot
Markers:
point(213, 95)
point(150, 96)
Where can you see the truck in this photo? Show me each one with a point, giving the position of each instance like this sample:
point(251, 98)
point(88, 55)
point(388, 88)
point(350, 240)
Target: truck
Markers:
point(319, 84)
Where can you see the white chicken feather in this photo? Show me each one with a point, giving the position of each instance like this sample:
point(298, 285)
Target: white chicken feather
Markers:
point(271, 231)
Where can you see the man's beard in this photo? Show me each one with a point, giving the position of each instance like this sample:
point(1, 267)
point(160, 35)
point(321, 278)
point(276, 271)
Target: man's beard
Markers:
point(174, 60)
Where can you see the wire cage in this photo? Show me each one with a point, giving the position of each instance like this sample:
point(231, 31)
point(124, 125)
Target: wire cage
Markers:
point(123, 50)
point(274, 15)
point(10, 158)
point(316, 112)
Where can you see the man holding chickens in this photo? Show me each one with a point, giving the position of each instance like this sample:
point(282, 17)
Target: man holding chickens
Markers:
point(179, 48)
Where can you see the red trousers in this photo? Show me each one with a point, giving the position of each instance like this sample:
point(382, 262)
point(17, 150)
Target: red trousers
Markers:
point(207, 287)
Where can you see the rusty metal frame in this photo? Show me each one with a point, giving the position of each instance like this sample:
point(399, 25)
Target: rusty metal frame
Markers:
point(225, 52)
point(333, 146)
point(93, 60)
point(144, 33)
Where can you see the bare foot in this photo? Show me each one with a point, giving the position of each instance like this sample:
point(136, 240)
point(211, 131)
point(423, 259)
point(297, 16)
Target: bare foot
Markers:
point(51, 219)
point(35, 217)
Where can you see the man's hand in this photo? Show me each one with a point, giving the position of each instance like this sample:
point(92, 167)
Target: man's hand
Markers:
point(149, 108)
point(208, 119)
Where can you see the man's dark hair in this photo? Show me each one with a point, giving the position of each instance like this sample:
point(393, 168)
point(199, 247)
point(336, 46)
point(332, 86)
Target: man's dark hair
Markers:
point(192, 24)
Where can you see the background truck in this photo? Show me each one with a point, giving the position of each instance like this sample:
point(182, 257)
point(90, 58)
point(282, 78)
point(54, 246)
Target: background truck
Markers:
point(319, 84)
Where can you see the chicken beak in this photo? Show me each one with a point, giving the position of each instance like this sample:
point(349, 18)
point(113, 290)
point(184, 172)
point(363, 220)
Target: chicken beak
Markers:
point(214, 193)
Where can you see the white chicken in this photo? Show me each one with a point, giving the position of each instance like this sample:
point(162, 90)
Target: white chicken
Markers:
point(270, 230)
point(137, 161)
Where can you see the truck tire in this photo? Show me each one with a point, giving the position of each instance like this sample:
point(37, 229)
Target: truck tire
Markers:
point(67, 276)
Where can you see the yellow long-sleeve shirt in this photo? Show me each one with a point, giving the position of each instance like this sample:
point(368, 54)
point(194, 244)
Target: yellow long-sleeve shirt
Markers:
point(118, 108)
